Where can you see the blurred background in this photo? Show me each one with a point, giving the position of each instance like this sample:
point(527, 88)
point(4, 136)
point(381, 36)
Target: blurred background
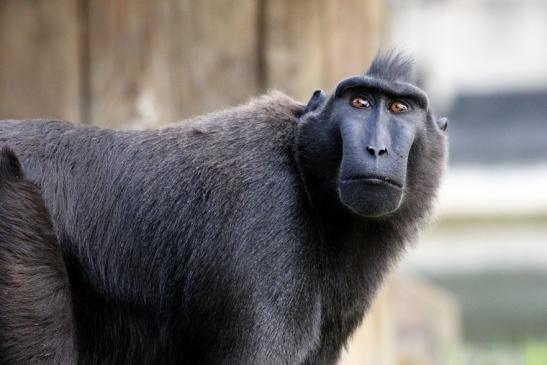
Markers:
point(473, 291)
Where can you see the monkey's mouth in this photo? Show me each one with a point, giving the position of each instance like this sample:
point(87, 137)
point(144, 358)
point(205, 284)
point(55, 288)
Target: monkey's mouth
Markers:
point(373, 179)
point(370, 195)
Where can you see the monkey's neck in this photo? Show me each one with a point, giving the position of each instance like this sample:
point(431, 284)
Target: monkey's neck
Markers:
point(356, 255)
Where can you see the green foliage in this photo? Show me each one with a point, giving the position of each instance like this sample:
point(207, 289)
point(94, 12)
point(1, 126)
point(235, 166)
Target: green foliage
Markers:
point(535, 353)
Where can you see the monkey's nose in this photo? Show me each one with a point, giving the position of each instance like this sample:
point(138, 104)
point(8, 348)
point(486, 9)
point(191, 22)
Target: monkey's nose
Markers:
point(376, 151)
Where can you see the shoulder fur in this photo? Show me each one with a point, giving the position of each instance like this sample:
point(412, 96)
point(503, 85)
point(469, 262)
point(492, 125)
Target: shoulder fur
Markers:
point(276, 104)
point(264, 109)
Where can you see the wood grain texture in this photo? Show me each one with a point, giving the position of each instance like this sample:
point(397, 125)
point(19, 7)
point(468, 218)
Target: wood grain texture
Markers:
point(293, 46)
point(412, 321)
point(156, 62)
point(313, 44)
point(39, 67)
point(131, 63)
point(355, 34)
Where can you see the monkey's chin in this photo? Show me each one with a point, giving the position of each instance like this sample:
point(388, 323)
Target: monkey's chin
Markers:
point(370, 198)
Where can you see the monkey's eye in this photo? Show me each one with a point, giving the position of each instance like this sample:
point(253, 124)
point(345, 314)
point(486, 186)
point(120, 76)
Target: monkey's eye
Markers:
point(398, 107)
point(360, 102)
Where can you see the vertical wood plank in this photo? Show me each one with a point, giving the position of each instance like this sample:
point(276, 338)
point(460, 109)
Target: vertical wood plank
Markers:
point(156, 62)
point(374, 341)
point(39, 66)
point(125, 53)
point(356, 30)
point(293, 46)
point(412, 321)
point(313, 44)
point(224, 53)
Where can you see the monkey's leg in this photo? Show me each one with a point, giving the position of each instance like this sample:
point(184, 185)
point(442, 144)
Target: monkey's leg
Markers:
point(36, 323)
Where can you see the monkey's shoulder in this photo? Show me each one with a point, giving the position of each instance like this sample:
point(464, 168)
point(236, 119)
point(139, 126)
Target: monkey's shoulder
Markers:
point(12, 129)
point(271, 111)
point(249, 135)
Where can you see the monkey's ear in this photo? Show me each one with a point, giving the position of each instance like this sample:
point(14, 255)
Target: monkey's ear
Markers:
point(442, 123)
point(9, 164)
point(315, 101)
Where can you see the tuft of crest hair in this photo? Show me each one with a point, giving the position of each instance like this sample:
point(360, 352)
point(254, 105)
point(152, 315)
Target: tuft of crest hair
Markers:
point(392, 66)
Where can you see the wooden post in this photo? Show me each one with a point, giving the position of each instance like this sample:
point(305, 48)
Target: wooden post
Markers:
point(293, 46)
point(130, 63)
point(354, 34)
point(39, 65)
point(412, 321)
point(158, 61)
point(313, 44)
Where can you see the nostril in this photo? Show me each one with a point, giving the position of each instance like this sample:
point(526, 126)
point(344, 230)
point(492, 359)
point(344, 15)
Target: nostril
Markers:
point(383, 151)
point(371, 150)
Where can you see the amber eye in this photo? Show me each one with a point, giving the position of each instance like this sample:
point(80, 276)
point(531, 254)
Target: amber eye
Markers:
point(398, 107)
point(360, 102)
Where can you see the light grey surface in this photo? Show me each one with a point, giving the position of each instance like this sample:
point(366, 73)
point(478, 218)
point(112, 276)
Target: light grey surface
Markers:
point(499, 128)
point(498, 273)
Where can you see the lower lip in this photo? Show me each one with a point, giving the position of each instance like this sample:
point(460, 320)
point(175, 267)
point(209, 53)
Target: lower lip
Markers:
point(373, 180)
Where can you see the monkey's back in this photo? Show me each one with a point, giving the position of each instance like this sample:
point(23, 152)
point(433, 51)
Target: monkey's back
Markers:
point(147, 220)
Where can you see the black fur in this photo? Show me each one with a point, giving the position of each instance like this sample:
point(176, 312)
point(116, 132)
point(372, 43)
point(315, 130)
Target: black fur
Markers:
point(209, 241)
point(36, 324)
point(393, 66)
point(318, 97)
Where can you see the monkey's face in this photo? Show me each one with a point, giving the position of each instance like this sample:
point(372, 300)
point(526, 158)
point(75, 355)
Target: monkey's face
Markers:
point(377, 132)
point(371, 127)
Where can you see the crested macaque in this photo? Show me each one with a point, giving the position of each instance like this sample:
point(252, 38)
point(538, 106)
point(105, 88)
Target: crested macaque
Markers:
point(254, 235)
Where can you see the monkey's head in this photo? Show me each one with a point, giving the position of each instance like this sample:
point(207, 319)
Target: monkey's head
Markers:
point(373, 145)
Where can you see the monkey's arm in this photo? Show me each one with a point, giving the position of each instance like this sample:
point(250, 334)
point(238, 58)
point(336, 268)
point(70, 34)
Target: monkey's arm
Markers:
point(36, 322)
